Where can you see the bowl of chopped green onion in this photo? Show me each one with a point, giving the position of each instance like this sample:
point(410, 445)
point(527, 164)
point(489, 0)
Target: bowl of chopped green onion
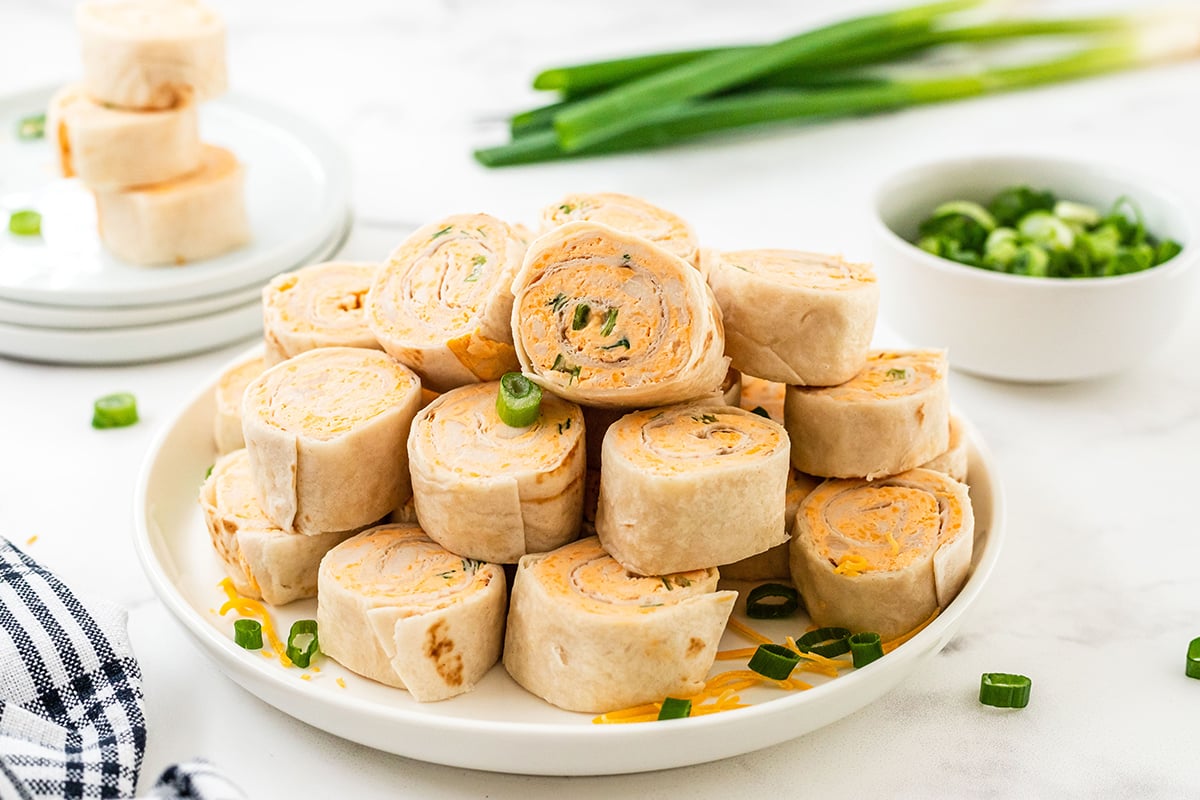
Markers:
point(1034, 269)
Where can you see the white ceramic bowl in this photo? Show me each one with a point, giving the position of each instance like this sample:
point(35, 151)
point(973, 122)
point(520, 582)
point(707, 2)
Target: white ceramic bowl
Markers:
point(1016, 327)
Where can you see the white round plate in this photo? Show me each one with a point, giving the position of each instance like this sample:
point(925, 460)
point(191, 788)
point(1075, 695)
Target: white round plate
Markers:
point(499, 726)
point(297, 194)
point(36, 315)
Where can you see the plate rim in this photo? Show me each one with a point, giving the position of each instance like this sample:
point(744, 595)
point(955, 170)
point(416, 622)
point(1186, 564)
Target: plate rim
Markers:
point(265, 683)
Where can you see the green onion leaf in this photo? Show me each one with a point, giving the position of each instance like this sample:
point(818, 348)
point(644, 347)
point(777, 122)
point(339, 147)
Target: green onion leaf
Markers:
point(622, 342)
point(442, 232)
point(828, 642)
point(865, 648)
point(762, 412)
point(1002, 690)
point(115, 411)
point(302, 642)
point(31, 127)
point(774, 661)
point(247, 634)
point(1193, 659)
point(519, 400)
point(208, 474)
point(25, 222)
point(1077, 213)
point(610, 322)
point(558, 301)
point(772, 601)
point(675, 708)
point(897, 374)
point(1166, 250)
point(583, 312)
point(1010, 205)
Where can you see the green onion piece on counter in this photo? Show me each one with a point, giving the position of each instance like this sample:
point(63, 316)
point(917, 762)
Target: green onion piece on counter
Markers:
point(774, 661)
point(1002, 690)
point(762, 412)
point(1193, 659)
point(302, 643)
point(519, 400)
point(115, 411)
point(675, 708)
point(865, 648)
point(247, 634)
point(583, 312)
point(32, 127)
point(772, 601)
point(610, 322)
point(25, 223)
point(828, 642)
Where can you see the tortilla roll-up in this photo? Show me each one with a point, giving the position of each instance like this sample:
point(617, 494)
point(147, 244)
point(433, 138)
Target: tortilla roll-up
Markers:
point(198, 216)
point(793, 317)
point(142, 54)
point(767, 395)
point(326, 435)
point(629, 215)
point(110, 149)
point(321, 305)
point(227, 427)
point(442, 302)
point(882, 555)
point(691, 486)
point(396, 607)
point(773, 564)
point(492, 492)
point(605, 318)
point(585, 635)
point(891, 417)
point(263, 561)
point(953, 462)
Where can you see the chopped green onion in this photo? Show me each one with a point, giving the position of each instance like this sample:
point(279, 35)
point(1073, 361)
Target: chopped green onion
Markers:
point(675, 708)
point(865, 648)
point(1193, 659)
point(966, 208)
point(1002, 690)
point(25, 222)
point(558, 301)
point(774, 661)
point(895, 374)
point(772, 601)
point(31, 127)
point(247, 634)
point(762, 412)
point(442, 232)
point(1010, 205)
point(622, 342)
point(1042, 227)
point(302, 642)
point(208, 474)
point(1077, 213)
point(1167, 249)
point(610, 322)
point(519, 400)
point(828, 642)
point(583, 312)
point(115, 411)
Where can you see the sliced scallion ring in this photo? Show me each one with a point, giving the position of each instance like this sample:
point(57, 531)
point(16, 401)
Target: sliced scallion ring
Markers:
point(115, 411)
point(247, 634)
point(1002, 690)
point(300, 650)
point(519, 400)
point(675, 708)
point(865, 648)
point(774, 661)
point(25, 223)
point(1193, 659)
point(583, 312)
point(31, 127)
point(772, 601)
point(828, 642)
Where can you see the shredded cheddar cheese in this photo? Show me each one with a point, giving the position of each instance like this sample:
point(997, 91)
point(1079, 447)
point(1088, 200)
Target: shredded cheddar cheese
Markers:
point(899, 640)
point(852, 565)
point(254, 610)
point(341, 682)
point(31, 540)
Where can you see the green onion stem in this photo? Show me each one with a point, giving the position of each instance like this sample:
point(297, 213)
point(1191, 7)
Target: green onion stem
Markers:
point(247, 634)
point(299, 653)
point(685, 121)
point(115, 411)
point(632, 105)
point(772, 601)
point(828, 642)
point(675, 708)
point(774, 661)
point(25, 222)
point(519, 400)
point(1193, 659)
point(865, 648)
point(1002, 690)
point(580, 78)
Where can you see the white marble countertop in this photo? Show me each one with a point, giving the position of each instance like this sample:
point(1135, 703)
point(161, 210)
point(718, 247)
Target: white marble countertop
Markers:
point(1097, 592)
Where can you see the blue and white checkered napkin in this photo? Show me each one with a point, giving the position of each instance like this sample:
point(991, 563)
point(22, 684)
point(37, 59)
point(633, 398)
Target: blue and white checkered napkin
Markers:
point(71, 719)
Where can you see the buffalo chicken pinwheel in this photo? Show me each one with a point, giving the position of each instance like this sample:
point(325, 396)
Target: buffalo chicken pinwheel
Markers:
point(605, 318)
point(326, 435)
point(884, 555)
point(586, 635)
point(441, 304)
point(321, 305)
point(629, 214)
point(490, 491)
point(227, 425)
point(396, 607)
point(690, 486)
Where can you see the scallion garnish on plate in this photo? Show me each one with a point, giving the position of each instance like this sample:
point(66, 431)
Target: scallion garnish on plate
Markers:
point(302, 642)
point(865, 648)
point(675, 708)
point(247, 634)
point(519, 400)
point(828, 642)
point(774, 661)
point(772, 601)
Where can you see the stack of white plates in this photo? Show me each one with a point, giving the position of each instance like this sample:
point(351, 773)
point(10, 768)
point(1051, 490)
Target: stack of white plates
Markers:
point(64, 299)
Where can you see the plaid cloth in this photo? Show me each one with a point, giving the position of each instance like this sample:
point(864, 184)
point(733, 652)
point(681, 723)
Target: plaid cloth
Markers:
point(71, 718)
